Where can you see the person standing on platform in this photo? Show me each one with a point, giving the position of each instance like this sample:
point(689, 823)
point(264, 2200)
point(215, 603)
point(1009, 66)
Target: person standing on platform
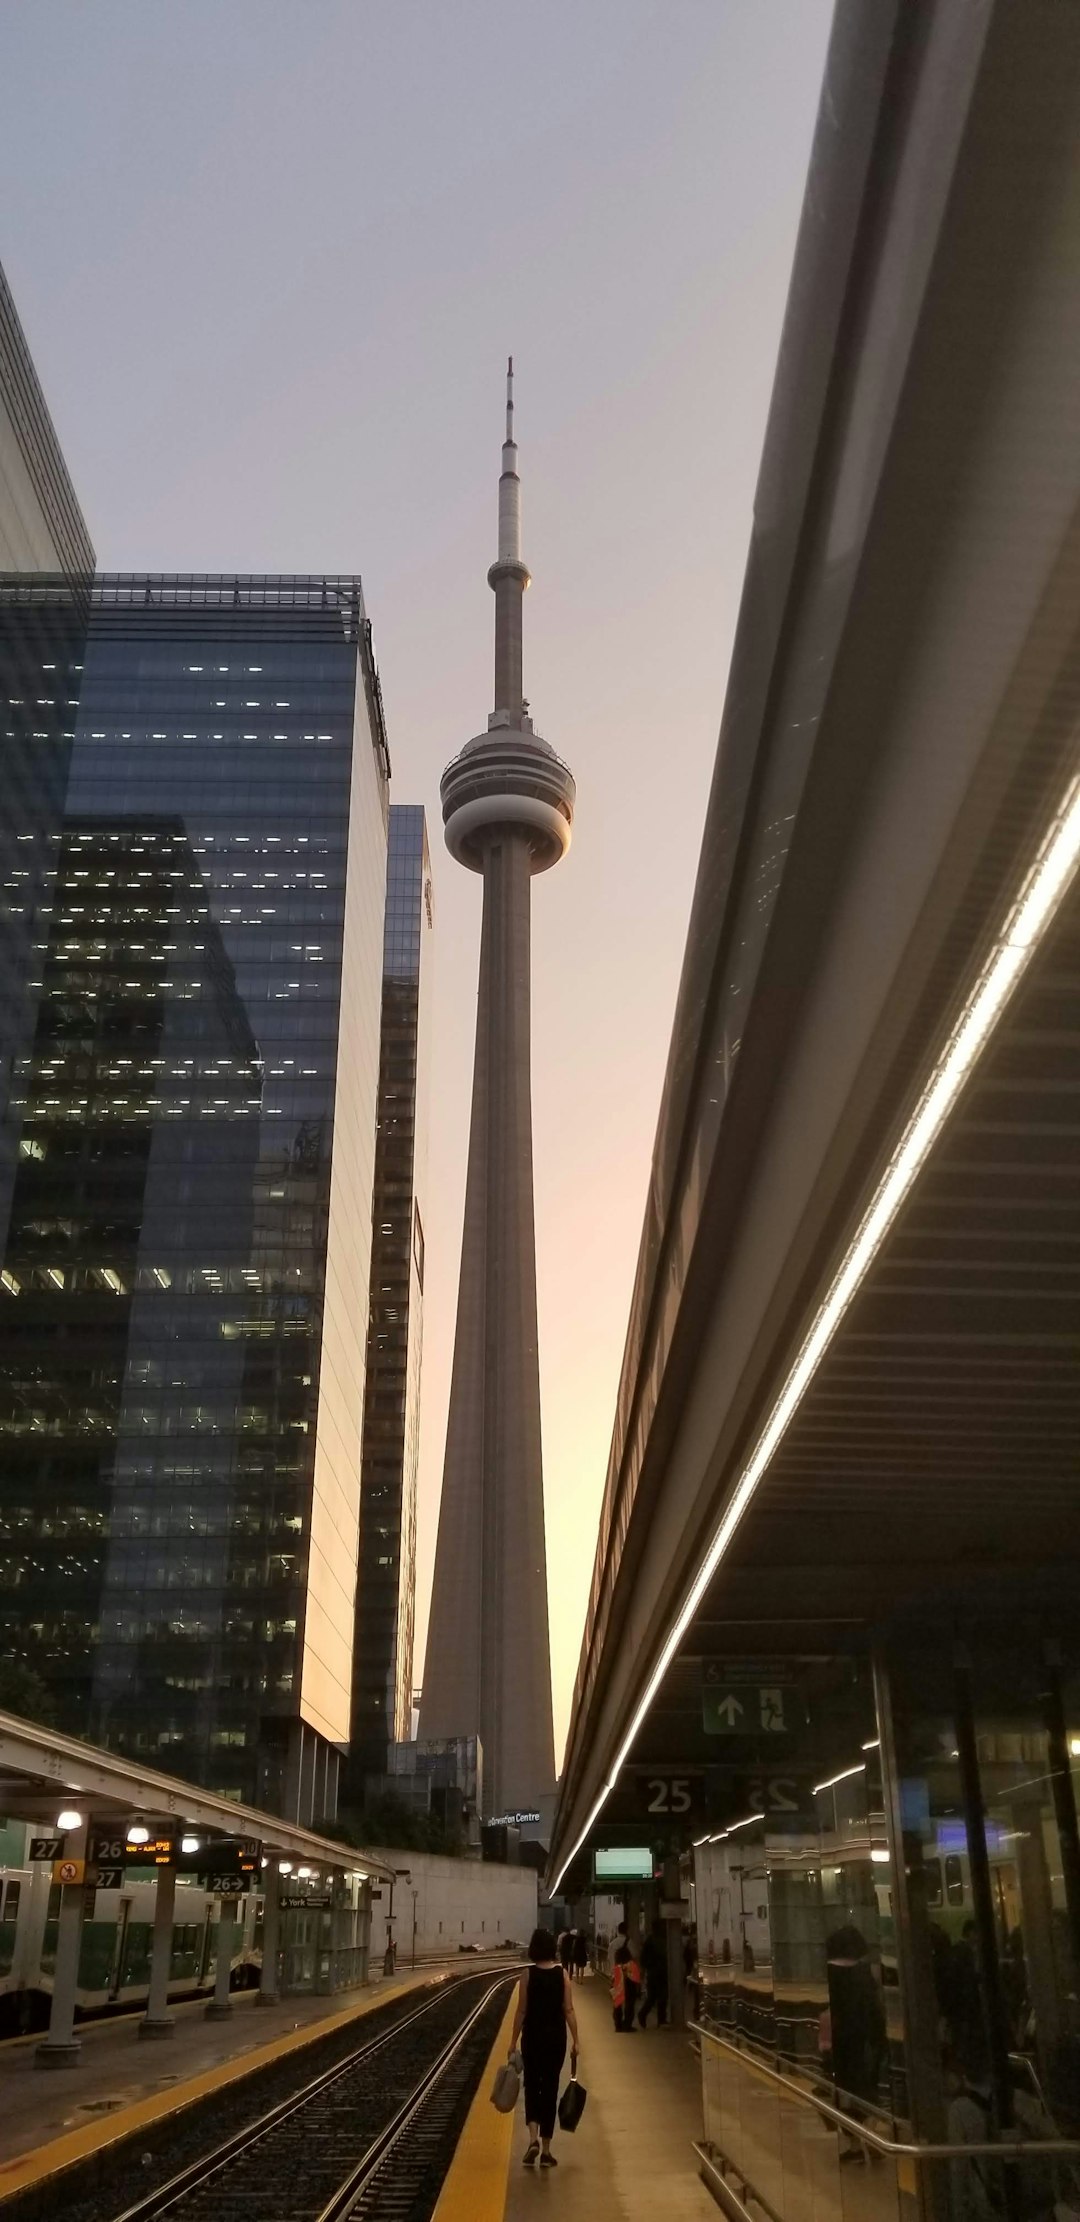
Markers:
point(545, 2010)
point(625, 1985)
point(566, 1948)
point(654, 1969)
point(581, 1954)
point(857, 2031)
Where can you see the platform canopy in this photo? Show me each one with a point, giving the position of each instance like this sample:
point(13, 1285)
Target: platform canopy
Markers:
point(41, 1772)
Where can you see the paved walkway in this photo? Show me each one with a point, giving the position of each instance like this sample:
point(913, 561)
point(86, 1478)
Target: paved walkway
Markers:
point(632, 2155)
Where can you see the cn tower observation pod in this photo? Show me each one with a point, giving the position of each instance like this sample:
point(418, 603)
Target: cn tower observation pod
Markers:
point(507, 779)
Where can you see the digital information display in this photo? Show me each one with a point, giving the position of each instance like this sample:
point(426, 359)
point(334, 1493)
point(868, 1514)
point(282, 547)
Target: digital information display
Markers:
point(625, 1863)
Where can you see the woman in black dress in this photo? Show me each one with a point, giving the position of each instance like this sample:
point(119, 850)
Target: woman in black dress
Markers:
point(545, 2010)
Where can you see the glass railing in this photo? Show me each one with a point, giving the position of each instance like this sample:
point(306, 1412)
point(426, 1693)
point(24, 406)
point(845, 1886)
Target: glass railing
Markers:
point(776, 2146)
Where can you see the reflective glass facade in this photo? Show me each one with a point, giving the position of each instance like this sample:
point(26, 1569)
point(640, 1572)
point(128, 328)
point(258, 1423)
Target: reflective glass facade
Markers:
point(194, 848)
point(386, 1589)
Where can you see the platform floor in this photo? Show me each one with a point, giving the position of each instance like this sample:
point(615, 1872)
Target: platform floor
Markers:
point(632, 2158)
point(51, 2115)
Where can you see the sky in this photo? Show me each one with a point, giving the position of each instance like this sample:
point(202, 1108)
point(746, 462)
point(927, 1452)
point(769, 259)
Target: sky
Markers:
point(270, 259)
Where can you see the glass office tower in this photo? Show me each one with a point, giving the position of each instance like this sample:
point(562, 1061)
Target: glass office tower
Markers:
point(197, 869)
point(386, 1588)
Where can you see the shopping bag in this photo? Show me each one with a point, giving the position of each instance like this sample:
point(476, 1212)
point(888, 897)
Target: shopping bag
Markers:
point(506, 2088)
point(572, 2104)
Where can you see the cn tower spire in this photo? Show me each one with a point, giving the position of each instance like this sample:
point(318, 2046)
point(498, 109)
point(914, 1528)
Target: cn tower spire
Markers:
point(509, 577)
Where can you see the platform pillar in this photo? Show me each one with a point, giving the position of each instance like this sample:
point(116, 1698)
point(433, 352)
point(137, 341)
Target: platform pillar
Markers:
point(268, 1981)
point(61, 2048)
point(157, 2020)
point(221, 2003)
point(673, 1945)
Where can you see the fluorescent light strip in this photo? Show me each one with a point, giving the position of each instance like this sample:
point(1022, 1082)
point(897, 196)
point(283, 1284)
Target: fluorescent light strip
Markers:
point(844, 1776)
point(748, 1822)
point(1026, 920)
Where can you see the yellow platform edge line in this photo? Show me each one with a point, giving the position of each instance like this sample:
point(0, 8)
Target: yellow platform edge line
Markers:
point(477, 2180)
point(38, 2167)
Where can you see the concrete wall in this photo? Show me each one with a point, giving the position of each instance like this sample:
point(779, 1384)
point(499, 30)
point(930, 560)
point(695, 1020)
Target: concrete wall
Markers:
point(458, 1901)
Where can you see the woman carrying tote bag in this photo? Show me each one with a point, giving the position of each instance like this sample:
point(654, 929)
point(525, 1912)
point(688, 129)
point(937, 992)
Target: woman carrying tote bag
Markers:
point(545, 2011)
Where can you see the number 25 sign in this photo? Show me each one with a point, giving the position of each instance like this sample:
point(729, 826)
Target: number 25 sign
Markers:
point(670, 1797)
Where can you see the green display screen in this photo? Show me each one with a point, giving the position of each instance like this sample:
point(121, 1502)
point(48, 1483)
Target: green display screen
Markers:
point(625, 1863)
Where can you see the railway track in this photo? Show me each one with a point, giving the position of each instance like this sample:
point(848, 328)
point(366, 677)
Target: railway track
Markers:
point(371, 2135)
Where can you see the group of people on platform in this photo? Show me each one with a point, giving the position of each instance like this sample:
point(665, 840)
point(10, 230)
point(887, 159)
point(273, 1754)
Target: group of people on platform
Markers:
point(576, 1950)
point(640, 1978)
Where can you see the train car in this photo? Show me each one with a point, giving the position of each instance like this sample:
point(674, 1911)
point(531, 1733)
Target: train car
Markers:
point(114, 1958)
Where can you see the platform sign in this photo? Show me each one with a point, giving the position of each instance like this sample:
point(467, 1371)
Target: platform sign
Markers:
point(227, 1883)
point(46, 1847)
point(315, 1901)
point(748, 1697)
point(228, 1855)
point(106, 1848)
point(105, 1878)
point(671, 1797)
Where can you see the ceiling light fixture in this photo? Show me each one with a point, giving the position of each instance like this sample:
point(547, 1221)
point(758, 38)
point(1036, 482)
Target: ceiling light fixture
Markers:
point(1041, 892)
point(844, 1775)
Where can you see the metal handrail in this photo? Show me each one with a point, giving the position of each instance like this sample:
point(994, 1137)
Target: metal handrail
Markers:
point(891, 2148)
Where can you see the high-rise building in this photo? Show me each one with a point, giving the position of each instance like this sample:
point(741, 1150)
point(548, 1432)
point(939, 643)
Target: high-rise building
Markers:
point(41, 525)
point(508, 806)
point(386, 1582)
point(194, 860)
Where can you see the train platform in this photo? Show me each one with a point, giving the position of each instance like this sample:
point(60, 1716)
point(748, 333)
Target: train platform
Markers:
point(48, 2122)
point(632, 2156)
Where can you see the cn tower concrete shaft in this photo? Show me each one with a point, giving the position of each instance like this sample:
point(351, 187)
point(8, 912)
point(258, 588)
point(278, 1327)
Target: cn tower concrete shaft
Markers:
point(488, 1660)
point(508, 806)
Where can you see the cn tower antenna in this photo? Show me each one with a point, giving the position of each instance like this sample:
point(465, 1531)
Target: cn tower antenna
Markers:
point(509, 398)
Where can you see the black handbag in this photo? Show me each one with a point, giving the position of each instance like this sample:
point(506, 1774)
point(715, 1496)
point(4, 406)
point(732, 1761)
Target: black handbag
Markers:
point(572, 2103)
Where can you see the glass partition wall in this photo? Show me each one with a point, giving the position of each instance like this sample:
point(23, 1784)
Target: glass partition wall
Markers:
point(889, 1947)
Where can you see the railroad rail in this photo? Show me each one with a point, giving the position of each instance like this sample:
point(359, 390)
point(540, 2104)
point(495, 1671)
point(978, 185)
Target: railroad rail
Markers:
point(371, 2135)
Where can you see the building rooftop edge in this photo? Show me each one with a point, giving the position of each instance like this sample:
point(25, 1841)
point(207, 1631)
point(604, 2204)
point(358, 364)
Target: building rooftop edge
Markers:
point(41, 450)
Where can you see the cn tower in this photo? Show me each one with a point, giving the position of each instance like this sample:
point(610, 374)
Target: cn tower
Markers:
point(508, 806)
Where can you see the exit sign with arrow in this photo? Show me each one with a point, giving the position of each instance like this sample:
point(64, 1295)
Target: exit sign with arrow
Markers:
point(746, 1697)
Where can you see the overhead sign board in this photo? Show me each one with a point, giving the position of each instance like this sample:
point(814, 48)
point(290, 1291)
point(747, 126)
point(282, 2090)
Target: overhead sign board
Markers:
point(747, 1697)
point(158, 1851)
point(314, 1901)
point(46, 1847)
point(241, 1855)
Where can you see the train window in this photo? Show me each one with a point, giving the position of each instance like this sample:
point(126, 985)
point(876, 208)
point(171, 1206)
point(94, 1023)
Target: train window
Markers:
point(932, 1874)
point(11, 1901)
point(954, 1880)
